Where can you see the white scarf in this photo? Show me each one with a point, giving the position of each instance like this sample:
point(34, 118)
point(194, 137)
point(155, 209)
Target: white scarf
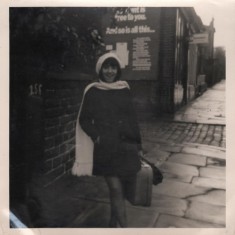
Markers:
point(84, 145)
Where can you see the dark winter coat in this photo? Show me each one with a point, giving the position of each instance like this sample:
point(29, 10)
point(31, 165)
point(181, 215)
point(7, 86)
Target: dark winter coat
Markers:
point(110, 115)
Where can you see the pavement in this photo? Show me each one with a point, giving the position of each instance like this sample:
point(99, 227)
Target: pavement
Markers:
point(189, 150)
point(208, 108)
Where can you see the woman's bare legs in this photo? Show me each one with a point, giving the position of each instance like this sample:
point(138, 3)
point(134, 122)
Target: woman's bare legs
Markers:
point(117, 201)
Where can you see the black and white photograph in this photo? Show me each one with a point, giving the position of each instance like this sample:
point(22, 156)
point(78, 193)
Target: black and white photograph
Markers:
point(117, 118)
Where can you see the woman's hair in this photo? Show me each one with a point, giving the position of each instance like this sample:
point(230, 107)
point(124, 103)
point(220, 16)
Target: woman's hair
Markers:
point(114, 63)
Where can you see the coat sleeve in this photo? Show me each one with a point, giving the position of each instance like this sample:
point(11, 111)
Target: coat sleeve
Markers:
point(86, 118)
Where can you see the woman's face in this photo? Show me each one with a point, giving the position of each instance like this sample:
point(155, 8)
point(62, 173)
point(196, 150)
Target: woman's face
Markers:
point(109, 72)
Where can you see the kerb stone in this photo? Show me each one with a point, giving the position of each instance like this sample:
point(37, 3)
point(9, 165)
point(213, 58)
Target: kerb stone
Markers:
point(203, 152)
point(188, 159)
point(170, 148)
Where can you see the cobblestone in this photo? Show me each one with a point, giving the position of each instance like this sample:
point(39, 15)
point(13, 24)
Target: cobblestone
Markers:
point(186, 132)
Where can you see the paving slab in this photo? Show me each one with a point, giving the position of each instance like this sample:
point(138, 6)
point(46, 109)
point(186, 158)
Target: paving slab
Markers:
point(166, 221)
point(85, 219)
point(188, 159)
point(206, 212)
point(179, 169)
point(175, 177)
point(209, 153)
point(214, 197)
point(215, 173)
point(216, 162)
point(137, 217)
point(209, 182)
point(178, 189)
point(94, 190)
point(141, 217)
point(169, 205)
point(157, 156)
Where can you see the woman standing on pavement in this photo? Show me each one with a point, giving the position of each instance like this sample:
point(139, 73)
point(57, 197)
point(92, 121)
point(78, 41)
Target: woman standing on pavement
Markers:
point(113, 147)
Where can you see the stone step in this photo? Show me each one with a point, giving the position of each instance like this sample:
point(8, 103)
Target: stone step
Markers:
point(215, 173)
point(169, 221)
point(206, 212)
point(188, 159)
point(178, 189)
point(209, 183)
point(214, 197)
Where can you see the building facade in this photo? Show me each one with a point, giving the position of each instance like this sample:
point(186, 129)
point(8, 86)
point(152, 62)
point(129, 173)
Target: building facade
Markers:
point(159, 57)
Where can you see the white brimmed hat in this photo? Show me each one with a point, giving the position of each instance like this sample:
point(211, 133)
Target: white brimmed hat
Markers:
point(101, 60)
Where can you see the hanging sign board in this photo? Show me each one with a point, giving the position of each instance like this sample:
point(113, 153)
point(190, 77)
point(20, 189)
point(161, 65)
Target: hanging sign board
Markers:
point(200, 38)
point(133, 33)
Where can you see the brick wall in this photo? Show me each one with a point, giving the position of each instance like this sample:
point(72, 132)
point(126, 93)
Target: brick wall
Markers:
point(167, 59)
point(62, 98)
